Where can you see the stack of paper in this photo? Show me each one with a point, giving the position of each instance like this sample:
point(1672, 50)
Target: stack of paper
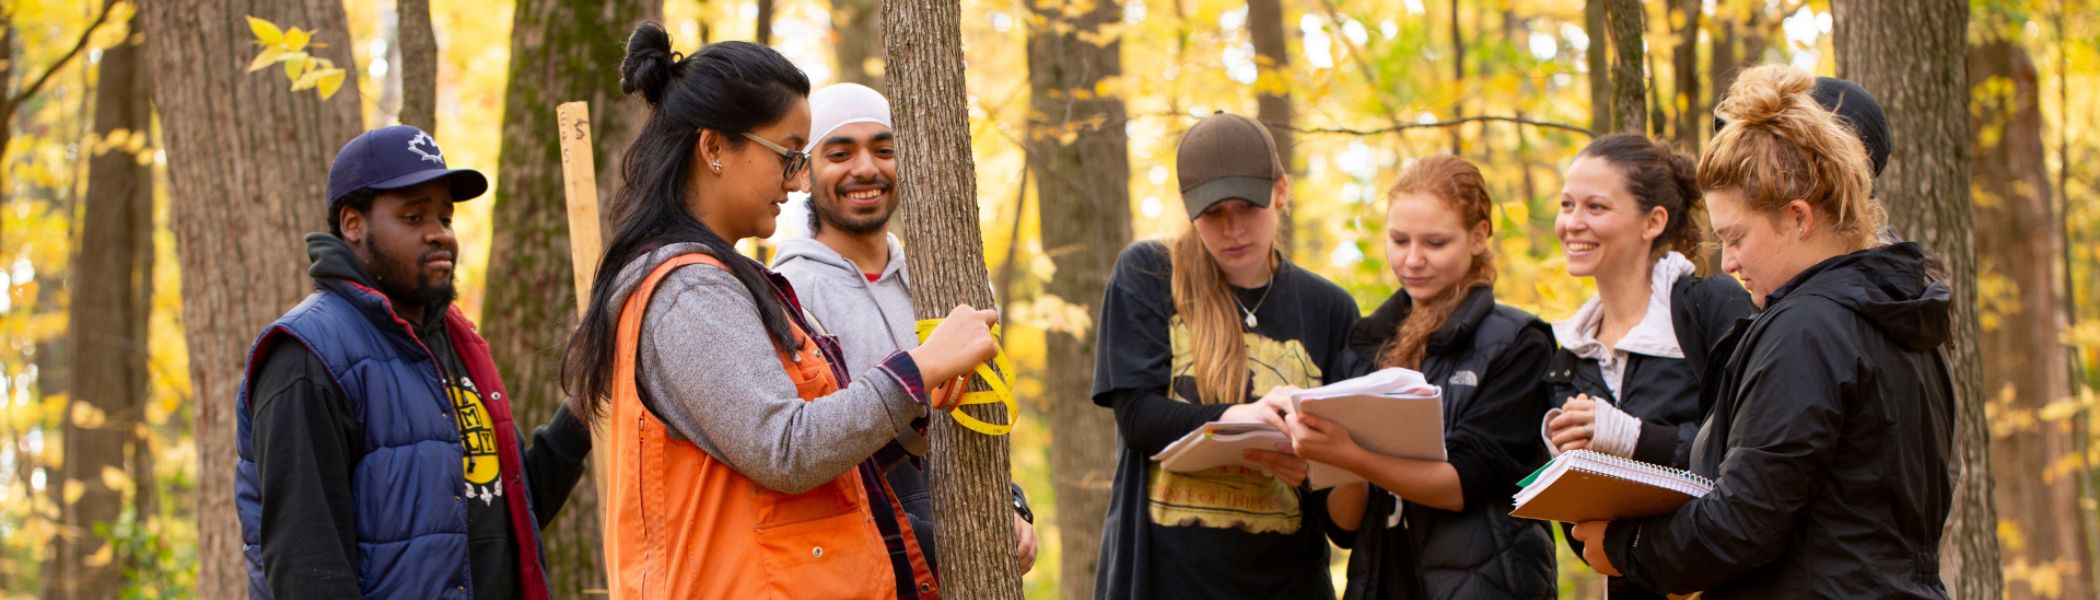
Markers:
point(1394, 412)
point(1583, 485)
point(1219, 444)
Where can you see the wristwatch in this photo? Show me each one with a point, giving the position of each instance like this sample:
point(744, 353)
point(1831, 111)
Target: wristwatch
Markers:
point(1021, 504)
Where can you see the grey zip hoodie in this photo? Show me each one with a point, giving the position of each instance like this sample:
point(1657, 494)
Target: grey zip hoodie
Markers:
point(831, 286)
point(708, 370)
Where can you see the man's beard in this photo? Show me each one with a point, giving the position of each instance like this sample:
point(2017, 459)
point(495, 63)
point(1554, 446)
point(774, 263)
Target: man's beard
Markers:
point(407, 285)
point(831, 211)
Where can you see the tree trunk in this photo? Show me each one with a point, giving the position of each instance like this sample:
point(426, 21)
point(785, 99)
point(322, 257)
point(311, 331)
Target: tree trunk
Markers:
point(763, 31)
point(1083, 189)
point(1272, 100)
point(1598, 55)
point(856, 28)
point(1627, 23)
point(248, 171)
point(938, 186)
point(1911, 55)
point(112, 285)
point(1684, 59)
point(7, 74)
point(559, 50)
point(1739, 40)
point(1458, 81)
point(2025, 367)
point(419, 61)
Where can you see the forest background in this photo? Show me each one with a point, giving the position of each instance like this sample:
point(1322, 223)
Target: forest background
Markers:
point(155, 188)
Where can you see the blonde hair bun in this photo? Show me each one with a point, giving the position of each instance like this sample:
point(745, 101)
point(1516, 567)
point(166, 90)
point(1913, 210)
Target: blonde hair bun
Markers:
point(1767, 93)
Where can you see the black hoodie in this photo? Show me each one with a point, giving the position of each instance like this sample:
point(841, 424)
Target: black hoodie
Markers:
point(307, 442)
point(1828, 444)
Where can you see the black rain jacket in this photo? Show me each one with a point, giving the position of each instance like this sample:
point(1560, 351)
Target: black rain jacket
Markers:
point(1828, 444)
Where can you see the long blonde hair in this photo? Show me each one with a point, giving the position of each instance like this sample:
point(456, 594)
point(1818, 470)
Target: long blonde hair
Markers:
point(1459, 184)
point(1780, 146)
point(1204, 301)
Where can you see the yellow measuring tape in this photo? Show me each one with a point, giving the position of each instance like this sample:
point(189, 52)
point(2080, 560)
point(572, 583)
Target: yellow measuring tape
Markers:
point(1000, 381)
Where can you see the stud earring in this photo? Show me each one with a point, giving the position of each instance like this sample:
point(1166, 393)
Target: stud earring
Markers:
point(718, 166)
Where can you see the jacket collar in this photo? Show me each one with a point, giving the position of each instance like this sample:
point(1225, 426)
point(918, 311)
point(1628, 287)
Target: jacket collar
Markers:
point(1655, 335)
point(337, 270)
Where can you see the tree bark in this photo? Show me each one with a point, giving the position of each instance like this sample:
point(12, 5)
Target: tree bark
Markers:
point(938, 187)
point(1684, 62)
point(856, 29)
point(1458, 81)
point(1272, 99)
point(1598, 56)
point(112, 288)
point(419, 60)
point(2025, 366)
point(763, 29)
point(1083, 190)
point(1627, 22)
point(1739, 40)
point(248, 172)
point(1911, 55)
point(558, 53)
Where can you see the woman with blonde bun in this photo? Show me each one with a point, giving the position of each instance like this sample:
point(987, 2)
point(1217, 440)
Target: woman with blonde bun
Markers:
point(1829, 439)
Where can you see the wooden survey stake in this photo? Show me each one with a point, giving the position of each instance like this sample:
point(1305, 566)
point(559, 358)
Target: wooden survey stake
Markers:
point(579, 175)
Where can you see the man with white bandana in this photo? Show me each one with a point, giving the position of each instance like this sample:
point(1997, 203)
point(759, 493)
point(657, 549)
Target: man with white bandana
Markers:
point(850, 273)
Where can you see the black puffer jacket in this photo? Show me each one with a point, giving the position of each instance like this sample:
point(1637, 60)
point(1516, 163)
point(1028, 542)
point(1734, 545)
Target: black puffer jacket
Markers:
point(1488, 359)
point(1828, 445)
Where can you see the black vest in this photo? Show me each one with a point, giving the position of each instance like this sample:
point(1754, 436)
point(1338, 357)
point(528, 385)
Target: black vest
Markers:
point(1481, 552)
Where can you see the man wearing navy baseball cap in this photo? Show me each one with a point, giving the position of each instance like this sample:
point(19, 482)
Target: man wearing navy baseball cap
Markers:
point(378, 456)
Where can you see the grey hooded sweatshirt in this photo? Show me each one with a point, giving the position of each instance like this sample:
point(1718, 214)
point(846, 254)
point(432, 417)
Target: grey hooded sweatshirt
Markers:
point(710, 373)
point(872, 319)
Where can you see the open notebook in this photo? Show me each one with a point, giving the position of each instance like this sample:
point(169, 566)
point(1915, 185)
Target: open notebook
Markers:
point(1394, 412)
point(1583, 485)
point(1219, 444)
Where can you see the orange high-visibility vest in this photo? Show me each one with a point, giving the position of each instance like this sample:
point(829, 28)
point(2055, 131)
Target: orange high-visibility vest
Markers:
point(681, 524)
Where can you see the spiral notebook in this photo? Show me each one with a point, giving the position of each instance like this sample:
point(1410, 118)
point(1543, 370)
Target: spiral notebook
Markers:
point(1583, 485)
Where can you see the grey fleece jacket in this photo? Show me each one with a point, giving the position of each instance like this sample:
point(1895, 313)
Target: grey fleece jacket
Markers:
point(834, 289)
point(707, 369)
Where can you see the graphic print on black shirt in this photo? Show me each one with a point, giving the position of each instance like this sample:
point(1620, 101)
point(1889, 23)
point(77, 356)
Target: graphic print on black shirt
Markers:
point(1232, 496)
point(492, 547)
point(477, 435)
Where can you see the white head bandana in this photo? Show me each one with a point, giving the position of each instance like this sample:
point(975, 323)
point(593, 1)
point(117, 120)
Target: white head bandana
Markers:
point(841, 104)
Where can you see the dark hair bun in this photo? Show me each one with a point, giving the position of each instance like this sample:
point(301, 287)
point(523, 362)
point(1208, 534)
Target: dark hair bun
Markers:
point(648, 66)
point(1685, 172)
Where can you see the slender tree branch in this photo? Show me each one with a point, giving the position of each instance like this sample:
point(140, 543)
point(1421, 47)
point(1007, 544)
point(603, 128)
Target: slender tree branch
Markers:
point(1401, 127)
point(1361, 58)
point(38, 84)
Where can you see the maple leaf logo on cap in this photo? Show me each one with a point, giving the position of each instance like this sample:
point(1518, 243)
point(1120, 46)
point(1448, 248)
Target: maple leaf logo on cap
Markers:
point(423, 139)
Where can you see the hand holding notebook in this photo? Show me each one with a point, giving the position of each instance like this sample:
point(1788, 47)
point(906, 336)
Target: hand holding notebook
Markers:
point(1220, 444)
point(1393, 412)
point(1584, 485)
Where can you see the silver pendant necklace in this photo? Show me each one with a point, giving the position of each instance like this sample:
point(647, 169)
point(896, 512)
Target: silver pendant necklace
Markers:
point(1266, 288)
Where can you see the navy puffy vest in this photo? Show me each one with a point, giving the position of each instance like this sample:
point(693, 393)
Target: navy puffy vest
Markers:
point(411, 517)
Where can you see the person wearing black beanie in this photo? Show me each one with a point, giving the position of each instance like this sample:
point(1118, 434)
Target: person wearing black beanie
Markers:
point(1854, 107)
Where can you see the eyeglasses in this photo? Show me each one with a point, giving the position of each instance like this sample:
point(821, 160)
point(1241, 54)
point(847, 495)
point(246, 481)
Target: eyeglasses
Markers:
point(792, 162)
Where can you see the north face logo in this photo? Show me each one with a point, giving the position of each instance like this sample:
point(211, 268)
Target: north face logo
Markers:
point(1465, 378)
point(422, 141)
